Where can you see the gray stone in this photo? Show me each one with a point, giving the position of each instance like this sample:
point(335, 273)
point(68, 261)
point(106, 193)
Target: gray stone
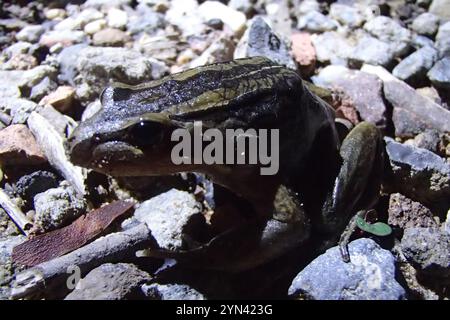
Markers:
point(31, 184)
point(158, 291)
point(7, 226)
point(260, 40)
point(168, 216)
point(99, 4)
point(429, 139)
point(413, 113)
point(390, 31)
point(67, 63)
point(6, 265)
point(42, 89)
point(365, 90)
point(65, 37)
point(439, 75)
point(420, 174)
point(441, 8)
point(443, 39)
point(184, 14)
point(57, 207)
point(406, 213)
point(369, 276)
point(332, 47)
point(146, 20)
point(245, 6)
point(414, 67)
point(428, 249)
point(30, 33)
point(110, 37)
point(18, 109)
point(16, 49)
point(372, 51)
point(419, 41)
point(314, 21)
point(347, 15)
point(446, 226)
point(426, 24)
point(110, 282)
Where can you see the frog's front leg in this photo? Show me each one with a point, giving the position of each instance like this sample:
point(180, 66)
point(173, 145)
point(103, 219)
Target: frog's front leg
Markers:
point(357, 184)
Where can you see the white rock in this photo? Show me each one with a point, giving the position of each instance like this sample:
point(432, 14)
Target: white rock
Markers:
point(117, 18)
point(216, 10)
point(95, 26)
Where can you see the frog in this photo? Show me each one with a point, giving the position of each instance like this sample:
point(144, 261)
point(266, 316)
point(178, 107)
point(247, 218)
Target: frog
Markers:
point(321, 183)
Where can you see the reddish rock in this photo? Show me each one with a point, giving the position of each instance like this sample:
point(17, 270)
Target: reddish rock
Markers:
point(406, 213)
point(18, 146)
point(61, 99)
point(21, 61)
point(304, 53)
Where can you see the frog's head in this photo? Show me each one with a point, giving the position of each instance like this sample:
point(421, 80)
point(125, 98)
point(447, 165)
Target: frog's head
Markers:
point(124, 138)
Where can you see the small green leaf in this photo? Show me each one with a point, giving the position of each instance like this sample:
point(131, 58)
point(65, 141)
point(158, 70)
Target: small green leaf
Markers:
point(379, 228)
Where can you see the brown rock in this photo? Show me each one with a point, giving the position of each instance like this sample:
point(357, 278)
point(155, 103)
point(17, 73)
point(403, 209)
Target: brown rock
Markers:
point(406, 213)
point(304, 53)
point(61, 99)
point(110, 38)
point(21, 61)
point(18, 146)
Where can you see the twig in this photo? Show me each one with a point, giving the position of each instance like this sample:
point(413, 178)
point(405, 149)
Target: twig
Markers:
point(15, 213)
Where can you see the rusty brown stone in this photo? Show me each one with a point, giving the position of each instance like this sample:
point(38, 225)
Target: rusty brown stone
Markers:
point(304, 53)
point(59, 242)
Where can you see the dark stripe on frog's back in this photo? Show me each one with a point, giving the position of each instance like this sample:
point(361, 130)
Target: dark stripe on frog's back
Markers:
point(172, 91)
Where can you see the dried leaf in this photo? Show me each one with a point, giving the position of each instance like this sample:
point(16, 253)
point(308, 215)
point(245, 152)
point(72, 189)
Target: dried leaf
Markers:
point(59, 242)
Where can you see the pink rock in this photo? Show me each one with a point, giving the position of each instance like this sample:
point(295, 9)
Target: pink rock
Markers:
point(304, 52)
point(18, 146)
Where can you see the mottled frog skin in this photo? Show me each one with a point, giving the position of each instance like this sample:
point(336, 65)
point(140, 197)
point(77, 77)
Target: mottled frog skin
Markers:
point(130, 136)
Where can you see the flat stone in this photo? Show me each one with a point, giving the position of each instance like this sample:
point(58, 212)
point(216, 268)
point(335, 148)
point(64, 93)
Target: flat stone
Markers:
point(439, 75)
point(95, 26)
point(413, 113)
point(369, 276)
point(18, 147)
point(443, 39)
point(414, 67)
point(260, 40)
point(110, 37)
point(119, 281)
point(440, 8)
point(372, 51)
point(406, 213)
point(365, 91)
point(30, 33)
point(315, 21)
point(64, 37)
point(21, 61)
point(426, 24)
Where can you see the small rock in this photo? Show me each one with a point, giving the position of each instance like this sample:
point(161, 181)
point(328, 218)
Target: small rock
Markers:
point(65, 37)
point(413, 68)
point(441, 8)
point(260, 40)
point(245, 6)
point(314, 21)
point(216, 10)
point(119, 281)
point(369, 276)
point(446, 226)
point(220, 50)
point(419, 41)
point(18, 146)
point(91, 109)
point(55, 13)
point(7, 228)
point(372, 51)
point(426, 24)
point(6, 264)
point(68, 24)
point(184, 14)
point(332, 47)
point(168, 216)
point(156, 291)
point(413, 112)
point(429, 139)
point(427, 249)
point(117, 18)
point(43, 88)
point(406, 213)
point(439, 75)
point(304, 53)
point(365, 91)
point(95, 26)
point(20, 61)
point(18, 109)
point(443, 39)
point(31, 184)
point(420, 174)
point(20, 47)
point(347, 15)
point(57, 206)
point(110, 37)
point(391, 32)
point(30, 33)
point(89, 15)
point(430, 93)
point(146, 20)
point(61, 99)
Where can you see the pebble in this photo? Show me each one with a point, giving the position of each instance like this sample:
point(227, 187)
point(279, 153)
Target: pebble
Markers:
point(157, 291)
point(304, 53)
point(18, 147)
point(236, 20)
point(57, 207)
point(65, 37)
point(439, 75)
point(315, 21)
point(21, 61)
point(110, 37)
point(440, 8)
point(95, 26)
point(7, 266)
point(42, 89)
point(117, 18)
point(260, 40)
point(30, 185)
point(347, 15)
point(62, 99)
point(369, 276)
point(372, 51)
point(426, 24)
point(332, 47)
point(18, 109)
point(55, 13)
point(405, 213)
point(30, 33)
point(443, 39)
point(413, 68)
point(110, 281)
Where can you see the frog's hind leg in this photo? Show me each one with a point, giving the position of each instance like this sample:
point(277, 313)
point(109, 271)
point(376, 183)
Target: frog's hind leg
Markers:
point(358, 182)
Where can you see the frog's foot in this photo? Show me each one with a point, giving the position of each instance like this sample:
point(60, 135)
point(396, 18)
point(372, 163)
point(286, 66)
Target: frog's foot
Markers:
point(346, 234)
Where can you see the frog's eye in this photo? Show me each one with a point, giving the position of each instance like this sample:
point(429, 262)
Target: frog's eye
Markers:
point(147, 133)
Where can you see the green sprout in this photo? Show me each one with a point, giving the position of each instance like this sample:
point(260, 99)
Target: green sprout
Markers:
point(378, 228)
